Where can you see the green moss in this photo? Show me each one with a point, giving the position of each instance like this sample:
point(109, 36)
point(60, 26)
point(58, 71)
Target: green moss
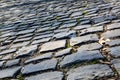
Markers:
point(20, 77)
point(68, 45)
point(85, 12)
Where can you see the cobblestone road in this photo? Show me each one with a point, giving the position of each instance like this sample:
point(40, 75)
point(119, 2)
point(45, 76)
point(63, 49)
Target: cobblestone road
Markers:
point(59, 40)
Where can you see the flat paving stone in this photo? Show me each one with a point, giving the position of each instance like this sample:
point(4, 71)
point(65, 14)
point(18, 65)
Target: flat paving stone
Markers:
point(116, 63)
point(22, 40)
point(83, 39)
point(98, 19)
point(79, 13)
point(12, 62)
point(54, 45)
point(113, 26)
point(42, 66)
point(92, 30)
point(25, 32)
point(40, 57)
point(80, 56)
point(115, 51)
point(9, 72)
point(63, 52)
point(112, 34)
point(26, 51)
point(19, 44)
point(89, 47)
point(113, 42)
point(8, 51)
point(90, 72)
point(68, 25)
point(41, 41)
point(7, 57)
point(63, 35)
point(55, 75)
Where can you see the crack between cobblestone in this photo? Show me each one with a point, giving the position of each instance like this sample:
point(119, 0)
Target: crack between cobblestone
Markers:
point(107, 56)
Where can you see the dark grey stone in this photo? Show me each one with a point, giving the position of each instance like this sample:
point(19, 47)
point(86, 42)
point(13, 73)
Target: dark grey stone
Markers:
point(112, 34)
point(76, 14)
point(56, 75)
point(79, 27)
point(98, 19)
point(22, 39)
point(89, 72)
point(83, 39)
point(8, 51)
point(19, 44)
point(63, 52)
point(42, 66)
point(51, 46)
point(43, 36)
point(12, 62)
point(113, 26)
point(113, 42)
point(26, 51)
point(9, 72)
point(43, 29)
point(41, 41)
point(68, 25)
point(80, 56)
point(40, 57)
point(25, 32)
point(115, 51)
point(89, 47)
point(116, 63)
point(63, 35)
point(92, 30)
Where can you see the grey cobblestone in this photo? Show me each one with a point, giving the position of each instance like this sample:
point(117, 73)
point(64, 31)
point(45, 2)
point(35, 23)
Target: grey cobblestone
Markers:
point(44, 36)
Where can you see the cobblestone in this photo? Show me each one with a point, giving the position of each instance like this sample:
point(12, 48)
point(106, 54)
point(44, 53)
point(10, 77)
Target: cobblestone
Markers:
point(59, 39)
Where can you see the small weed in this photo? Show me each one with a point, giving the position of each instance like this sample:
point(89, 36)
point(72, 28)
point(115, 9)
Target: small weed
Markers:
point(20, 77)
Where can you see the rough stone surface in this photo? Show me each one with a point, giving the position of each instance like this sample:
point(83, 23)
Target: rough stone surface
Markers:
point(40, 57)
point(112, 33)
point(9, 72)
point(12, 62)
point(80, 56)
point(25, 51)
point(42, 66)
point(92, 46)
point(83, 39)
point(50, 46)
point(63, 52)
point(90, 72)
point(113, 42)
point(44, 36)
point(47, 76)
point(92, 30)
point(115, 51)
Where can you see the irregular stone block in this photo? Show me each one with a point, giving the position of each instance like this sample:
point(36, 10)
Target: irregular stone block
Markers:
point(42, 66)
point(54, 45)
point(90, 72)
point(55, 75)
point(80, 56)
point(83, 39)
